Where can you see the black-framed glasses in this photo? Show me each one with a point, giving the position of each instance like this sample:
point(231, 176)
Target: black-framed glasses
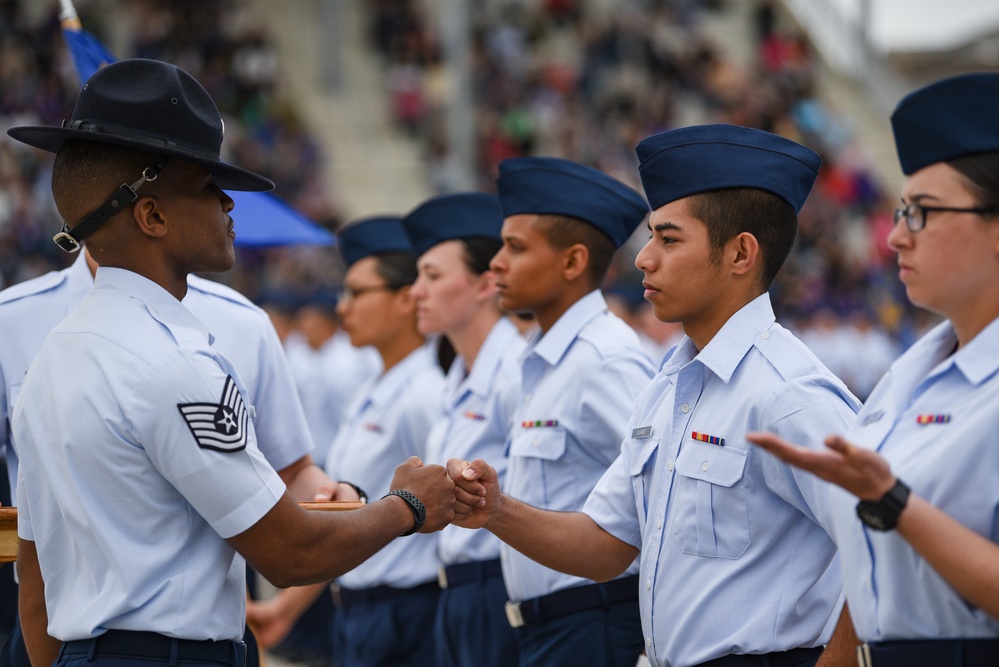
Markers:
point(349, 294)
point(915, 214)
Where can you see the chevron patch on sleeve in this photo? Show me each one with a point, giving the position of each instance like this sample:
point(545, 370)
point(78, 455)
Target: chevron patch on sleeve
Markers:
point(220, 426)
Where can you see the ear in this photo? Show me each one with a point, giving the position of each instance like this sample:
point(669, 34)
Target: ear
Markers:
point(575, 260)
point(485, 287)
point(149, 217)
point(407, 302)
point(742, 252)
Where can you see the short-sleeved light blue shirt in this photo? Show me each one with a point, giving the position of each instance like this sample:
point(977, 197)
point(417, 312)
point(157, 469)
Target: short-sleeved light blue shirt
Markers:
point(127, 501)
point(243, 334)
point(328, 380)
point(934, 417)
point(734, 556)
point(579, 383)
point(479, 407)
point(389, 422)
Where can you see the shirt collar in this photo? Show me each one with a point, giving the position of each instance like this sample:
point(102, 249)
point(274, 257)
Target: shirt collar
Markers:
point(553, 344)
point(931, 356)
point(483, 374)
point(161, 304)
point(727, 348)
point(978, 359)
point(398, 377)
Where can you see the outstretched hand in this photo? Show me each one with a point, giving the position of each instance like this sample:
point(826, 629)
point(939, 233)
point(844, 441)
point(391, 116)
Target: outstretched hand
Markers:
point(476, 492)
point(862, 472)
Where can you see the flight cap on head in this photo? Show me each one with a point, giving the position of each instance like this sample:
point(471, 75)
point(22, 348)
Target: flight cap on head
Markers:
point(689, 160)
point(376, 235)
point(453, 216)
point(553, 186)
point(947, 120)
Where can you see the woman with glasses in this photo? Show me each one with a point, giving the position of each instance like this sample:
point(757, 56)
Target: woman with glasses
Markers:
point(386, 605)
point(454, 237)
point(919, 551)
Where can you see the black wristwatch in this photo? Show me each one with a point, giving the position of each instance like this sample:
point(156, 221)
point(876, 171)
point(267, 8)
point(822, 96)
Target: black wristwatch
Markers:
point(883, 514)
point(419, 511)
point(361, 495)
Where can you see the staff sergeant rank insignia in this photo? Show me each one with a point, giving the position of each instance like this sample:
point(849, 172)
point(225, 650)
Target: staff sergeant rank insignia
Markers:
point(220, 426)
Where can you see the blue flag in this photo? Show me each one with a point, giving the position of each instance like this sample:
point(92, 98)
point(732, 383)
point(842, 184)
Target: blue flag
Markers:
point(260, 218)
point(89, 55)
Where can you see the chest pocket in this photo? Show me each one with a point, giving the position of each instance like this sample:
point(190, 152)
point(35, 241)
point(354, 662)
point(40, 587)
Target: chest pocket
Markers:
point(642, 469)
point(711, 508)
point(538, 453)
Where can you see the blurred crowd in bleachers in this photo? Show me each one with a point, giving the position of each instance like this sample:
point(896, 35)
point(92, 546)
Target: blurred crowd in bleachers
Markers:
point(581, 80)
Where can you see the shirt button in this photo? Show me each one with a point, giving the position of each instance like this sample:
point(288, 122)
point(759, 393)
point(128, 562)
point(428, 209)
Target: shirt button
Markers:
point(684, 408)
point(648, 584)
point(659, 524)
point(669, 466)
point(648, 641)
point(765, 335)
point(704, 466)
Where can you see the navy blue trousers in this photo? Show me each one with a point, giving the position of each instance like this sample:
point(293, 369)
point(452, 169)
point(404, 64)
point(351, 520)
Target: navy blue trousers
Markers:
point(471, 626)
point(389, 632)
point(609, 637)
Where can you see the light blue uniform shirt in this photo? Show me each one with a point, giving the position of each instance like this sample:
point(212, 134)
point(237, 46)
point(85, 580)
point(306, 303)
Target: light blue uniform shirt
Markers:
point(580, 381)
point(734, 555)
point(952, 462)
point(389, 422)
point(479, 406)
point(127, 506)
point(243, 334)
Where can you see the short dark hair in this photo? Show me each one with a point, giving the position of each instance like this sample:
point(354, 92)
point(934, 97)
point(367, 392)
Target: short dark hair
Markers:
point(563, 231)
point(478, 251)
point(87, 170)
point(397, 269)
point(729, 212)
point(982, 170)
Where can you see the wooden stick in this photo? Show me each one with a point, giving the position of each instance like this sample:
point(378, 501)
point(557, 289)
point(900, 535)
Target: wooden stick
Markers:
point(8, 524)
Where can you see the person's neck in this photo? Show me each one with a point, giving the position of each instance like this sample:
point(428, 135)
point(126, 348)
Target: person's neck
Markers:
point(972, 318)
point(468, 339)
point(548, 314)
point(703, 329)
point(399, 348)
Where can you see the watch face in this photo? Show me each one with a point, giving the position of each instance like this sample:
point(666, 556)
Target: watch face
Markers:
point(872, 516)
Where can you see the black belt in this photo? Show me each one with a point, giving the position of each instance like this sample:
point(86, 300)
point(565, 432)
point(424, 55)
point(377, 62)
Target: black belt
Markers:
point(571, 600)
point(349, 596)
point(156, 646)
point(795, 656)
point(930, 652)
point(450, 576)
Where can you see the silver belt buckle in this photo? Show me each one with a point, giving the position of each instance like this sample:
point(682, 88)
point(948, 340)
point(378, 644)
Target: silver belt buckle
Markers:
point(513, 615)
point(864, 656)
point(442, 577)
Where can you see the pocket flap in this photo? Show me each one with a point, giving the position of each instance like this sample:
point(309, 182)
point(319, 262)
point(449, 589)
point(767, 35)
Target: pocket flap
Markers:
point(643, 450)
point(539, 443)
point(712, 463)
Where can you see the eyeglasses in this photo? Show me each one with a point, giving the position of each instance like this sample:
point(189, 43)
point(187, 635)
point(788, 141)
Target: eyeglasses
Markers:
point(915, 214)
point(349, 294)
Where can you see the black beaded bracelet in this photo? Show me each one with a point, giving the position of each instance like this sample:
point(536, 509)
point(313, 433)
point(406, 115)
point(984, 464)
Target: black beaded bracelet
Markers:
point(360, 492)
point(419, 511)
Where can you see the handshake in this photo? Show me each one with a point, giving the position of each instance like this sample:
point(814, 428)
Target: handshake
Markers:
point(462, 493)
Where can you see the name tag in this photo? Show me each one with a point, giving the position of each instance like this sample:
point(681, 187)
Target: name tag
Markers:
point(641, 432)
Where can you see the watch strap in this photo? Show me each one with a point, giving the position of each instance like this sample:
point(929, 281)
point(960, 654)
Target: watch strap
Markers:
point(888, 508)
point(419, 511)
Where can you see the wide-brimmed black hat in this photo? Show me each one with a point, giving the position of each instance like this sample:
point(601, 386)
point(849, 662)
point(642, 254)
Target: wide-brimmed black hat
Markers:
point(151, 106)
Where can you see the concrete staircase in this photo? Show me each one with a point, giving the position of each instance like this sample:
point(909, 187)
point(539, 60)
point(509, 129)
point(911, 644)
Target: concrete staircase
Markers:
point(336, 82)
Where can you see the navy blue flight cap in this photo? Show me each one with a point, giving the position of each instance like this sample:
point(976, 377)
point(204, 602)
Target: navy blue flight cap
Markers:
point(552, 186)
point(686, 161)
point(373, 236)
point(454, 216)
point(947, 120)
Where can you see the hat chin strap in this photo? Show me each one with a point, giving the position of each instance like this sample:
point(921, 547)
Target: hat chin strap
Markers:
point(69, 239)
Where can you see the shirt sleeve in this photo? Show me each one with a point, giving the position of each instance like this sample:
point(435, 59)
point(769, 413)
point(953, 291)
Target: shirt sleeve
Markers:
point(805, 412)
point(24, 530)
point(607, 399)
point(231, 485)
point(282, 431)
point(612, 503)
